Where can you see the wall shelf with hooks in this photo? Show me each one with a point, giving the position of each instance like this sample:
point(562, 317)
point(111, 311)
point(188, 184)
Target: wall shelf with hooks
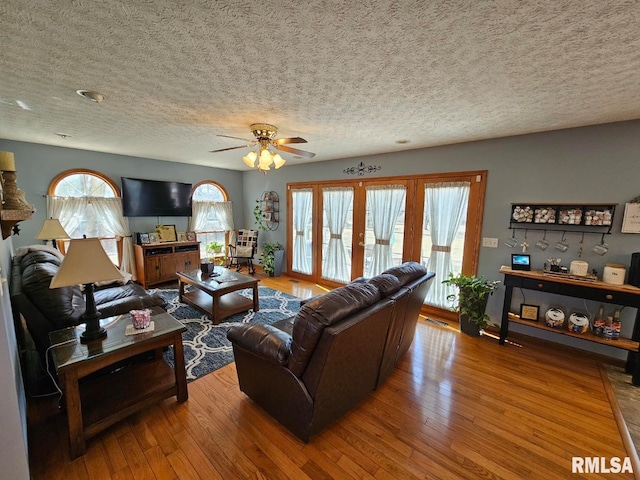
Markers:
point(587, 218)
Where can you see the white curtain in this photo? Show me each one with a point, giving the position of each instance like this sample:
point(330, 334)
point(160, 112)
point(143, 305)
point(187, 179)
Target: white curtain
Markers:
point(445, 208)
point(199, 215)
point(302, 206)
point(337, 202)
point(384, 202)
point(69, 210)
point(102, 211)
point(223, 212)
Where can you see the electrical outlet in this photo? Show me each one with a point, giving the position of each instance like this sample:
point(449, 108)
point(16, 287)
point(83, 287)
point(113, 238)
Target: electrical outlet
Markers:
point(489, 242)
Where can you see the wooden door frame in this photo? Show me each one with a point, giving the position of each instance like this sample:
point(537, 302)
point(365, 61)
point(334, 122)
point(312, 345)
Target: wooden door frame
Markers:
point(413, 231)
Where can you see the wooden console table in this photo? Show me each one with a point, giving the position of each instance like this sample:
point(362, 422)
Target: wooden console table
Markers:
point(98, 402)
point(626, 295)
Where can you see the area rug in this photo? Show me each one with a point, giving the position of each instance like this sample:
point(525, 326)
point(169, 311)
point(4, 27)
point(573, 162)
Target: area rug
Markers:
point(206, 347)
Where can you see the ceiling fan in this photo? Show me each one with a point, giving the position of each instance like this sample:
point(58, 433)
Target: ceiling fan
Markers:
point(265, 137)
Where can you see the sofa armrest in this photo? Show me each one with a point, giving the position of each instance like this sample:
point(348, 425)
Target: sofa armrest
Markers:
point(264, 341)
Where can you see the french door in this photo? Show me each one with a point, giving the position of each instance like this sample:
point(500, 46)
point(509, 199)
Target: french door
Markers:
point(341, 230)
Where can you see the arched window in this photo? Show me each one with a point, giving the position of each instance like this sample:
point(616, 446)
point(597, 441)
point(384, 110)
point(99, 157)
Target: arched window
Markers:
point(70, 195)
point(212, 218)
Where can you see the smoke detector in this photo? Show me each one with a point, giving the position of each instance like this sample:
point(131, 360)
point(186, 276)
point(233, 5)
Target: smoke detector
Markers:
point(91, 95)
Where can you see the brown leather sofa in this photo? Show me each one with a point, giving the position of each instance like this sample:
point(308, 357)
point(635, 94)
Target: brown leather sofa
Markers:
point(46, 310)
point(309, 370)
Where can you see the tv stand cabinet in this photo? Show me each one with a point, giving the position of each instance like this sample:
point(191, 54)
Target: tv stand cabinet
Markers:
point(159, 262)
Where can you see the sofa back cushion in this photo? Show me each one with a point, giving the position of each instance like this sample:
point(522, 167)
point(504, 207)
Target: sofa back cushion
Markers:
point(386, 283)
point(326, 310)
point(407, 272)
point(64, 306)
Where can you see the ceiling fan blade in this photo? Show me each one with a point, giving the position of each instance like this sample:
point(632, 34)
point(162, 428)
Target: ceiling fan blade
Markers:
point(295, 151)
point(280, 141)
point(230, 148)
point(237, 138)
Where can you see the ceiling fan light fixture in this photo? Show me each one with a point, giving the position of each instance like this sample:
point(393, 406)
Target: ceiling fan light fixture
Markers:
point(278, 161)
point(266, 157)
point(248, 161)
point(265, 134)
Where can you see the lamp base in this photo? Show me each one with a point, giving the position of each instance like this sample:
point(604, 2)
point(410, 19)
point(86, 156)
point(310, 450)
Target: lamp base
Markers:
point(93, 331)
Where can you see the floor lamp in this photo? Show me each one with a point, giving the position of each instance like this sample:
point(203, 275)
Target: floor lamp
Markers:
point(86, 262)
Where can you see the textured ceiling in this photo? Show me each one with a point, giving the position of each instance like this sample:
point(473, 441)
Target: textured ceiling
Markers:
point(350, 77)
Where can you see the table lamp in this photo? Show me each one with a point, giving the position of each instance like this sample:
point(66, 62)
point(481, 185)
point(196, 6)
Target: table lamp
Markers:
point(51, 230)
point(86, 262)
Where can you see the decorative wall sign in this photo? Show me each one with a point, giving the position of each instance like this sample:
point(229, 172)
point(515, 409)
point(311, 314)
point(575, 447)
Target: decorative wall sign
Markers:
point(631, 220)
point(361, 169)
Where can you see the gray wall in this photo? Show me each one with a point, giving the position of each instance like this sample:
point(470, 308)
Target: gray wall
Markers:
point(38, 164)
point(597, 164)
point(14, 461)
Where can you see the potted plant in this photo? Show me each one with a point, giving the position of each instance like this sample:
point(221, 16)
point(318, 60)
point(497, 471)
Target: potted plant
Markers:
point(213, 249)
point(471, 301)
point(272, 258)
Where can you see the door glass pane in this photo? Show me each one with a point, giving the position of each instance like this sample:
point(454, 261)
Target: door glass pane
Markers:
point(443, 235)
point(302, 206)
point(384, 231)
point(337, 233)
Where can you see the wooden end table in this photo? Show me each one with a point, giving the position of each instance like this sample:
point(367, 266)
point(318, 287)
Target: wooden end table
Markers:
point(215, 295)
point(102, 400)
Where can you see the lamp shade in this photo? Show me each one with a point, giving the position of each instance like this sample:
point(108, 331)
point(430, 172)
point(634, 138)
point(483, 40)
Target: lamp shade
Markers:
point(278, 161)
point(7, 162)
point(85, 262)
point(51, 230)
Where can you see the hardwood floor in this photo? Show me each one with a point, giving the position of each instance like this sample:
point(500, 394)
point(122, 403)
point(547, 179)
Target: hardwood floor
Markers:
point(457, 407)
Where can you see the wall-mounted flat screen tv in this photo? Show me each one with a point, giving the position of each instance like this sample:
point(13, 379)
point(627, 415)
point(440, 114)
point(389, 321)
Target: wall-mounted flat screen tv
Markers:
point(155, 198)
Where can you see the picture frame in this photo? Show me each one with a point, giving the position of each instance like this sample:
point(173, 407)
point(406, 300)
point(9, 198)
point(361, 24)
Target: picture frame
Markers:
point(144, 239)
point(529, 312)
point(631, 219)
point(182, 236)
point(153, 237)
point(166, 233)
point(191, 236)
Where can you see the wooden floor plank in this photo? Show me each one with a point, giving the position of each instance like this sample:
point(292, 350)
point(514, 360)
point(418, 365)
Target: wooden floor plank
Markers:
point(455, 407)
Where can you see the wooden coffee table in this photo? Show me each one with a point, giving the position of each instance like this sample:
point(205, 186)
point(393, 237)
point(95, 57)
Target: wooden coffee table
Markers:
point(215, 295)
point(98, 402)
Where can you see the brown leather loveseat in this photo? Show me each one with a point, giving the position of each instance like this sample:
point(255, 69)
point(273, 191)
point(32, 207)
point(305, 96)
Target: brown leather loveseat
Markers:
point(45, 309)
point(309, 370)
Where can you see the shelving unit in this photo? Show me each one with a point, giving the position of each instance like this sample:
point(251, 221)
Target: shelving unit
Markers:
point(594, 218)
point(269, 210)
point(626, 295)
point(10, 218)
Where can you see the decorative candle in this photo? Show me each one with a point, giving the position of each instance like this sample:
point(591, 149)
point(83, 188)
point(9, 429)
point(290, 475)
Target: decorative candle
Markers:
point(7, 162)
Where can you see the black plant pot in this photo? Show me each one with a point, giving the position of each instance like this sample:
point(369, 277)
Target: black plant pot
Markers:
point(278, 263)
point(468, 326)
